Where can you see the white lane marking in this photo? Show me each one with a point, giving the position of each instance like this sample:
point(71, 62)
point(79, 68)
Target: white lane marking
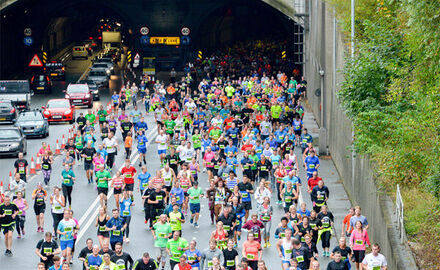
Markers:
point(93, 205)
point(92, 217)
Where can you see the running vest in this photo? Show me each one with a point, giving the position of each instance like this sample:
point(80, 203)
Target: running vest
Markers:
point(287, 249)
point(57, 208)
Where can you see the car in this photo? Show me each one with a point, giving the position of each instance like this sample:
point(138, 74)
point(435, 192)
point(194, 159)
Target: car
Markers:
point(107, 66)
point(55, 69)
point(8, 113)
point(59, 110)
point(33, 123)
point(99, 76)
point(12, 141)
point(40, 83)
point(94, 89)
point(80, 52)
point(79, 94)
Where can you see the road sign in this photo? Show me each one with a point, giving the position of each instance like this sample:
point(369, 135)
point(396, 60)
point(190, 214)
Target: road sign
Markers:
point(185, 40)
point(145, 40)
point(144, 30)
point(283, 54)
point(28, 41)
point(200, 54)
point(185, 31)
point(44, 57)
point(35, 62)
point(27, 32)
point(136, 61)
point(129, 56)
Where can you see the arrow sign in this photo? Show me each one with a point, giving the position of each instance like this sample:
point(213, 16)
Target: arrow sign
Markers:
point(36, 62)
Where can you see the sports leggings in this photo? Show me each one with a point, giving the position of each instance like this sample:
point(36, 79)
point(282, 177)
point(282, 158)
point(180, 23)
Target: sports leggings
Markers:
point(127, 229)
point(325, 238)
point(67, 192)
point(19, 223)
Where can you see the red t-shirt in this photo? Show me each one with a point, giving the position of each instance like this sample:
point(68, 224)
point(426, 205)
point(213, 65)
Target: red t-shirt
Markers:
point(128, 174)
point(313, 182)
point(247, 147)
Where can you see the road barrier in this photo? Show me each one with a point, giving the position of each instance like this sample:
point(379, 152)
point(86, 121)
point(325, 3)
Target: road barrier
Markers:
point(38, 165)
point(57, 149)
point(33, 171)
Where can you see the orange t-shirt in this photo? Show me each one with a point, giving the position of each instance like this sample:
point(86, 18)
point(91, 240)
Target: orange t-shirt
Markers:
point(251, 250)
point(128, 142)
point(346, 222)
point(171, 90)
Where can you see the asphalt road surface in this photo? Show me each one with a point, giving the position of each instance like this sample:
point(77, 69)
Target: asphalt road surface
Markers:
point(85, 201)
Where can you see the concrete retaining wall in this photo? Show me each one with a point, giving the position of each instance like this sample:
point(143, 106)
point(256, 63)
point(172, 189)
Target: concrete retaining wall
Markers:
point(325, 51)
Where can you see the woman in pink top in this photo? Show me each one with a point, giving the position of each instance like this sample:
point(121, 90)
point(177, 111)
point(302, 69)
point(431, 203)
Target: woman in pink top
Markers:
point(98, 160)
point(118, 186)
point(207, 161)
point(359, 240)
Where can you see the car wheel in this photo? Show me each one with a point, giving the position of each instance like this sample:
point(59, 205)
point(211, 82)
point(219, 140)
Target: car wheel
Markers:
point(90, 105)
point(71, 121)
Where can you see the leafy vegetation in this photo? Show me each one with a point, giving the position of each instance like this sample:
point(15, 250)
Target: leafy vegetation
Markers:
point(392, 94)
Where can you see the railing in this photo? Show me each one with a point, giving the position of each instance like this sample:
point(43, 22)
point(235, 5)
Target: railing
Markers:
point(399, 215)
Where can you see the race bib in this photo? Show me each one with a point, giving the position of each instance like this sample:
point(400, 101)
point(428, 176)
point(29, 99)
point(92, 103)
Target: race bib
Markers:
point(116, 232)
point(226, 227)
point(230, 262)
point(300, 259)
point(250, 256)
point(102, 228)
point(47, 250)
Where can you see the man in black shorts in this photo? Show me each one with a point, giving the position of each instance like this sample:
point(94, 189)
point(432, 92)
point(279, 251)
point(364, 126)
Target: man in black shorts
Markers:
point(8, 212)
point(88, 153)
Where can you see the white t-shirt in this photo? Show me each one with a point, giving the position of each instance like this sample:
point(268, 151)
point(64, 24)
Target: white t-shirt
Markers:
point(162, 142)
point(188, 154)
point(110, 144)
point(375, 262)
point(181, 150)
point(191, 106)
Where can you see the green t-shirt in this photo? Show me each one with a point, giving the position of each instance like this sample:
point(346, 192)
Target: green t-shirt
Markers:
point(196, 194)
point(170, 124)
point(276, 111)
point(162, 231)
point(90, 117)
point(229, 91)
point(176, 225)
point(102, 115)
point(215, 133)
point(196, 138)
point(255, 159)
point(102, 183)
point(173, 245)
point(67, 181)
point(79, 142)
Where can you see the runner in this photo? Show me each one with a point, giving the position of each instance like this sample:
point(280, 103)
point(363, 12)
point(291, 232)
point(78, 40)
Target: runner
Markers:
point(21, 167)
point(118, 186)
point(88, 153)
point(47, 161)
point(22, 205)
point(161, 232)
point(175, 248)
point(8, 213)
point(195, 193)
point(47, 249)
point(66, 229)
point(100, 224)
point(68, 179)
point(102, 178)
point(116, 226)
point(129, 173)
point(126, 203)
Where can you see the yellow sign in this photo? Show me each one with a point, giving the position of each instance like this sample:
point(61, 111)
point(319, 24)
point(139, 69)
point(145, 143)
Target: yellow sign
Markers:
point(165, 40)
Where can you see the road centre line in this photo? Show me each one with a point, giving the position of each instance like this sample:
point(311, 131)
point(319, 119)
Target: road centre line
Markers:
point(93, 205)
point(92, 217)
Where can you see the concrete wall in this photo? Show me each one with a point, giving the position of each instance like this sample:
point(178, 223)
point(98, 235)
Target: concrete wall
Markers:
point(326, 51)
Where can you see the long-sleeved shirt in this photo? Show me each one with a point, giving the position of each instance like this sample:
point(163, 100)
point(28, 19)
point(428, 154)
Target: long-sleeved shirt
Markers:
point(358, 239)
point(207, 256)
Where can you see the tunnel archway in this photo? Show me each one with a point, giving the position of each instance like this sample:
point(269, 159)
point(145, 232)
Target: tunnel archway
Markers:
point(256, 20)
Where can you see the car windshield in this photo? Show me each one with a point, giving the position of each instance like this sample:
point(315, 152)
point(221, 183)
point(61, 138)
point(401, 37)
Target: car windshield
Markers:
point(58, 104)
point(9, 134)
point(78, 88)
point(30, 116)
point(100, 65)
point(97, 73)
point(5, 105)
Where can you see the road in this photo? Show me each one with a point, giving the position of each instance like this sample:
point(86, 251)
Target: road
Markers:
point(85, 202)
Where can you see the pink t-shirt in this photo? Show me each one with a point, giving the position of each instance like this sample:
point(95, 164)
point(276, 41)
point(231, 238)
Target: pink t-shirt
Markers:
point(208, 157)
point(358, 240)
point(98, 161)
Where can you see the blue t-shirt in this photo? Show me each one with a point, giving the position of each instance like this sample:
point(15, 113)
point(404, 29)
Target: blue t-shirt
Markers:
point(229, 149)
point(279, 136)
point(297, 124)
point(126, 207)
point(115, 99)
point(144, 178)
point(142, 142)
point(178, 193)
point(94, 261)
point(103, 152)
point(116, 235)
point(311, 163)
point(67, 227)
point(193, 256)
point(141, 126)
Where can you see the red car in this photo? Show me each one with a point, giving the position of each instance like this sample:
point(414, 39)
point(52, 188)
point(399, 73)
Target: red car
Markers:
point(79, 95)
point(59, 110)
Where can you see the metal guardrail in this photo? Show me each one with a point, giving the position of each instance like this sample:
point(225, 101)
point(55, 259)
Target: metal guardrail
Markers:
point(399, 215)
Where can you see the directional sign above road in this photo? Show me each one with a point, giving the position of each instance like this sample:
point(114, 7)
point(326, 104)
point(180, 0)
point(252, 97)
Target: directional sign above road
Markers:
point(144, 31)
point(36, 62)
point(28, 41)
point(27, 32)
point(185, 31)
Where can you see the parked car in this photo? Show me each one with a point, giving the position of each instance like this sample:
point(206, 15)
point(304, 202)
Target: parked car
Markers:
point(18, 92)
point(94, 89)
point(99, 76)
point(40, 83)
point(55, 69)
point(80, 52)
point(8, 113)
point(107, 66)
point(12, 141)
point(33, 123)
point(59, 110)
point(79, 95)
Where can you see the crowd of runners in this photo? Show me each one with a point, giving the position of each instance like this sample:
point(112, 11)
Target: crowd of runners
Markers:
point(232, 125)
